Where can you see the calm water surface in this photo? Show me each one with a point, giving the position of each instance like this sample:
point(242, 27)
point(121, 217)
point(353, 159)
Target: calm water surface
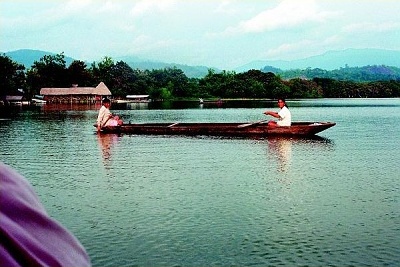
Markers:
point(206, 201)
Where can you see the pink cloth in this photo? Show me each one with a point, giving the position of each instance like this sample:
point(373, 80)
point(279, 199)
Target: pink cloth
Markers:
point(28, 236)
point(112, 122)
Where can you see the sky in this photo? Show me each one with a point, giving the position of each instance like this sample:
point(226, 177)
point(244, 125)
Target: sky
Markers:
point(223, 34)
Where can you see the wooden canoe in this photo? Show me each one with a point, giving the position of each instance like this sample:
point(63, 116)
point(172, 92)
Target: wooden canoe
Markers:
point(255, 129)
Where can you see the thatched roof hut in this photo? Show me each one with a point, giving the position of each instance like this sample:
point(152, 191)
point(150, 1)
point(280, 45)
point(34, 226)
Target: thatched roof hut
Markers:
point(75, 93)
point(100, 90)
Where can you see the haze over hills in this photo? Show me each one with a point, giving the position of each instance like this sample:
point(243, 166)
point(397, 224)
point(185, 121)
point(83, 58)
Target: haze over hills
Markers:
point(329, 61)
point(27, 57)
point(190, 71)
point(333, 60)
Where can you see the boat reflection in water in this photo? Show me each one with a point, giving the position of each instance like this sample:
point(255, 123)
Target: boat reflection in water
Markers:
point(137, 105)
point(281, 149)
point(106, 143)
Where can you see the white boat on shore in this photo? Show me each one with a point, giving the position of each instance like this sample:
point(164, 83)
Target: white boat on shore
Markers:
point(38, 101)
point(134, 99)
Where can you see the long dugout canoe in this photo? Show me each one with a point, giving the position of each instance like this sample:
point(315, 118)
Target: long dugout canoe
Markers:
point(255, 129)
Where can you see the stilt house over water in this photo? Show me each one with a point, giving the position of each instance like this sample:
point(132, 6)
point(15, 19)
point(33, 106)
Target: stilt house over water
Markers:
point(75, 94)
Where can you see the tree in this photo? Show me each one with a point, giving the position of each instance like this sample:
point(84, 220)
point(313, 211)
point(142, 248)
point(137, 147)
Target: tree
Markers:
point(300, 88)
point(172, 78)
point(12, 76)
point(49, 71)
point(143, 82)
point(123, 78)
point(222, 84)
point(261, 85)
point(207, 85)
point(79, 74)
point(102, 72)
point(161, 93)
point(178, 80)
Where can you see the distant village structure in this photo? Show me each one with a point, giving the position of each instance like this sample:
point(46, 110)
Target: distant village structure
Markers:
point(16, 99)
point(75, 94)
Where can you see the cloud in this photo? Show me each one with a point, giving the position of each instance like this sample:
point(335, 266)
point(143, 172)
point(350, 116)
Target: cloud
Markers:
point(372, 27)
point(303, 48)
point(75, 5)
point(289, 13)
point(147, 44)
point(149, 6)
point(205, 32)
point(107, 7)
point(225, 7)
point(287, 48)
point(53, 14)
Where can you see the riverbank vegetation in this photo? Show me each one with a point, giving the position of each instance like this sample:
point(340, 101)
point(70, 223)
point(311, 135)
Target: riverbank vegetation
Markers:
point(172, 83)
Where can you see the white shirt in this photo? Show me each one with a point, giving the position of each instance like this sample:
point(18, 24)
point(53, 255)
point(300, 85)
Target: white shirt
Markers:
point(285, 117)
point(104, 114)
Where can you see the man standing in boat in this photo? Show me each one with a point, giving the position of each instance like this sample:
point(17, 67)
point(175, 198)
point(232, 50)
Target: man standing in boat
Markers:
point(284, 117)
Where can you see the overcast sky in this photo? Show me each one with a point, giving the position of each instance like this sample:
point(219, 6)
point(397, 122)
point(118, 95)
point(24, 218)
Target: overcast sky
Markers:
point(216, 33)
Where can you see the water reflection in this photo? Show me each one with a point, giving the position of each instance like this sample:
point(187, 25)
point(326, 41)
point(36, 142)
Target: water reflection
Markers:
point(137, 105)
point(106, 143)
point(70, 107)
point(281, 149)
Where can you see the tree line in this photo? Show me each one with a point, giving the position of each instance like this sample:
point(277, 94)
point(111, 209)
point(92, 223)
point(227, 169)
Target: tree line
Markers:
point(172, 83)
point(358, 74)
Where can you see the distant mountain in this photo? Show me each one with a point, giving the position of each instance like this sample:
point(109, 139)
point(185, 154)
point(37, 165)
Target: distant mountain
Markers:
point(356, 74)
point(27, 57)
point(333, 60)
point(329, 61)
point(190, 71)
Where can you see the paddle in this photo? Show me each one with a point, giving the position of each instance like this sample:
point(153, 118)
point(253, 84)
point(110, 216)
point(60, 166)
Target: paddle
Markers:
point(172, 125)
point(250, 124)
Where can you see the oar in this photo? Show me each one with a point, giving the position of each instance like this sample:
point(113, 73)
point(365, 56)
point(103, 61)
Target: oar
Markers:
point(250, 124)
point(173, 124)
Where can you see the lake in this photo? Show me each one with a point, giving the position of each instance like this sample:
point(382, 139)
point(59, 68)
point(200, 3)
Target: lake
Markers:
point(332, 200)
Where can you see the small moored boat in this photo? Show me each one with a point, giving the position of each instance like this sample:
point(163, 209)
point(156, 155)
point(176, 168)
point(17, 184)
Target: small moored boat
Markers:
point(255, 129)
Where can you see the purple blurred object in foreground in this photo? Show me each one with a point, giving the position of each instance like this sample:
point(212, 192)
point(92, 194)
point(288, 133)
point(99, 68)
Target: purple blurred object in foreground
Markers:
point(28, 236)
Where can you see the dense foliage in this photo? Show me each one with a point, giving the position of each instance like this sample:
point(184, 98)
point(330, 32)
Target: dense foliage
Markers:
point(172, 83)
point(357, 74)
point(12, 76)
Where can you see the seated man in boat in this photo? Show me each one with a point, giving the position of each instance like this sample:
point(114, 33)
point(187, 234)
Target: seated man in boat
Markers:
point(105, 118)
point(284, 117)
